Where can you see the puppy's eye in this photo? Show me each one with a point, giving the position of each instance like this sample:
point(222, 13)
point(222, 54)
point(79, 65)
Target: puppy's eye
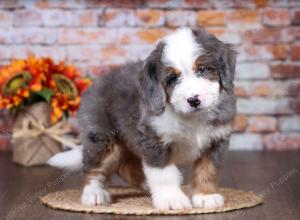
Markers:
point(172, 78)
point(202, 70)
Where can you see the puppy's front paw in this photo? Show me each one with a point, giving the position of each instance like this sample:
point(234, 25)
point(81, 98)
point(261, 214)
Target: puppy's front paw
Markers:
point(174, 199)
point(95, 195)
point(208, 200)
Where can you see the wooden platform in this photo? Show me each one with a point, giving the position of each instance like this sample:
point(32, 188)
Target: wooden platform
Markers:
point(276, 175)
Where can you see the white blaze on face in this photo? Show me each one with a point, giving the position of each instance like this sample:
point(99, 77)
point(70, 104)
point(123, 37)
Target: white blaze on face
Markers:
point(181, 51)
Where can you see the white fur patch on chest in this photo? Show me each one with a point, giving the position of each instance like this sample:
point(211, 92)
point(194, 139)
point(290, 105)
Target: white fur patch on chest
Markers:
point(188, 135)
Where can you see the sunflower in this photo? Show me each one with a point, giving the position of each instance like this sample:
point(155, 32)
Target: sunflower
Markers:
point(18, 80)
point(68, 85)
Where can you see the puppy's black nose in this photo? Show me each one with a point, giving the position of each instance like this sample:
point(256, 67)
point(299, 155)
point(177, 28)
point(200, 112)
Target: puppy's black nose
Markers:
point(194, 101)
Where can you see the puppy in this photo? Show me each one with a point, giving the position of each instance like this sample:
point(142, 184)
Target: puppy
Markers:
point(144, 119)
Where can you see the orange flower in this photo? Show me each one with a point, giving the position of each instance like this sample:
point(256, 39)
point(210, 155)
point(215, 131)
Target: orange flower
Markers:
point(60, 103)
point(36, 87)
point(20, 80)
point(82, 84)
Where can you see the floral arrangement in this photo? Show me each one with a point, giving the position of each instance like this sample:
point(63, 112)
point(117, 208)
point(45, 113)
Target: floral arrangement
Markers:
point(25, 82)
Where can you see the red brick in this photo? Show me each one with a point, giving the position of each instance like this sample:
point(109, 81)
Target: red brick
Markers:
point(262, 52)
point(11, 4)
point(243, 16)
point(293, 34)
point(259, 124)
point(265, 35)
point(295, 52)
point(28, 18)
point(269, 88)
point(6, 18)
point(240, 91)
point(295, 105)
point(75, 4)
point(87, 36)
point(128, 36)
point(117, 17)
point(151, 35)
point(260, 3)
point(149, 17)
point(243, 88)
point(68, 18)
point(177, 18)
point(112, 55)
point(217, 32)
point(86, 17)
point(263, 89)
point(276, 17)
point(296, 17)
point(211, 18)
point(293, 88)
point(285, 70)
point(260, 88)
point(140, 36)
point(279, 51)
point(282, 141)
point(240, 123)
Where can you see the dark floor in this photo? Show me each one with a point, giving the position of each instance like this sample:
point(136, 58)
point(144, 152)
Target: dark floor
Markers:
point(276, 175)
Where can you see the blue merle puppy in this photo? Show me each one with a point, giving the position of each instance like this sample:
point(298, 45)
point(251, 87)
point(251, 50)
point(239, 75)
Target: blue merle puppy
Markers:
point(144, 119)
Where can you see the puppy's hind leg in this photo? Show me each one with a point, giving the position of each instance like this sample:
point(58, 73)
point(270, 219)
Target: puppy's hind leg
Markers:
point(94, 192)
point(131, 170)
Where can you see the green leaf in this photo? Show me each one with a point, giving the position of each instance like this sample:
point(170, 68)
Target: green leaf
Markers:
point(45, 93)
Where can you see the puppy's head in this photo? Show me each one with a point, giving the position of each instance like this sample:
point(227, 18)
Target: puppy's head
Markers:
point(190, 70)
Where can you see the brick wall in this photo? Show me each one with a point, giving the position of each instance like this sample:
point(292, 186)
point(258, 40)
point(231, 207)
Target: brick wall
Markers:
point(97, 35)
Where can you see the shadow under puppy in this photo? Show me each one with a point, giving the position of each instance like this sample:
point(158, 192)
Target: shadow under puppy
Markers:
point(145, 118)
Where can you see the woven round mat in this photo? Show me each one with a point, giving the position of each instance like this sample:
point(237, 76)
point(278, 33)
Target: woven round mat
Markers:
point(131, 201)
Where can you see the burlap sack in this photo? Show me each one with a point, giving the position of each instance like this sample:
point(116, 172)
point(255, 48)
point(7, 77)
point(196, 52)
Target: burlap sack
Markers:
point(34, 138)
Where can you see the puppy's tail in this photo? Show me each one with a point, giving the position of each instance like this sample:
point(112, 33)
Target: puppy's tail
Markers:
point(70, 160)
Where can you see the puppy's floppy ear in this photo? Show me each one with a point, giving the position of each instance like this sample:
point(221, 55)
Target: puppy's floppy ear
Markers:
point(228, 63)
point(151, 90)
point(224, 53)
